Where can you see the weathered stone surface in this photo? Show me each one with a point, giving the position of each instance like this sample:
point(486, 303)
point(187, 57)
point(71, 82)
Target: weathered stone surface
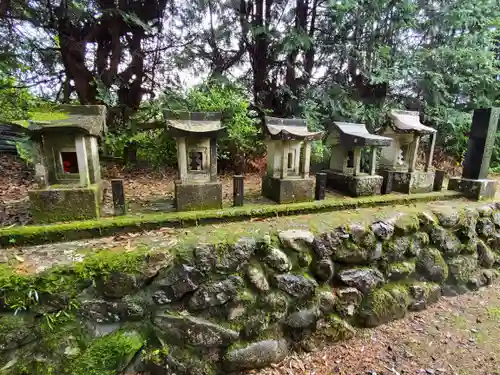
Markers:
point(194, 331)
point(278, 260)
point(445, 240)
point(432, 266)
point(462, 268)
point(257, 278)
point(302, 319)
point(296, 285)
point(155, 261)
point(234, 259)
point(485, 227)
point(496, 218)
point(427, 218)
point(324, 269)
point(277, 305)
point(326, 301)
point(418, 241)
point(485, 211)
point(396, 249)
point(423, 294)
point(102, 311)
point(118, 284)
point(179, 280)
point(400, 271)
point(255, 324)
point(383, 230)
point(160, 298)
point(332, 328)
point(348, 301)
point(407, 223)
point(15, 331)
point(362, 236)
point(467, 229)
point(448, 218)
point(486, 256)
point(205, 257)
point(351, 253)
point(256, 355)
point(385, 304)
point(363, 279)
point(215, 294)
point(296, 239)
point(180, 361)
point(326, 243)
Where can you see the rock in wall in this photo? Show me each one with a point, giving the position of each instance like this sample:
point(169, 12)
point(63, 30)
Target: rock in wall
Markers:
point(224, 308)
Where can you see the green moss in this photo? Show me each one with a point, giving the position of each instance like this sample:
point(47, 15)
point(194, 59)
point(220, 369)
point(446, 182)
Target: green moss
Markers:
point(385, 304)
point(23, 291)
point(462, 268)
point(333, 328)
point(407, 223)
point(38, 234)
point(108, 355)
point(432, 265)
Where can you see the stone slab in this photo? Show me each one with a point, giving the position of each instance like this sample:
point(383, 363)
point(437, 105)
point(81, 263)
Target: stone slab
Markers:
point(290, 190)
point(408, 182)
point(355, 186)
point(474, 189)
point(198, 196)
point(55, 204)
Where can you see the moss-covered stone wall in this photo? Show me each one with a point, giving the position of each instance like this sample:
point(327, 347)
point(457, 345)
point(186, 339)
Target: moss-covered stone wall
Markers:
point(228, 307)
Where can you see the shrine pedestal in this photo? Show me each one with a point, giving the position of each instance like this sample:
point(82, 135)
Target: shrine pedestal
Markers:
point(289, 190)
point(408, 182)
point(355, 186)
point(474, 189)
point(194, 196)
point(68, 203)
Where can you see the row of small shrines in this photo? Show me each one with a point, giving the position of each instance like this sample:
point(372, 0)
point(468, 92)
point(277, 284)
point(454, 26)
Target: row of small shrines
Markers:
point(67, 164)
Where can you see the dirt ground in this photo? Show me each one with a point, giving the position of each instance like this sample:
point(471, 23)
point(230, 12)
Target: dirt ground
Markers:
point(457, 336)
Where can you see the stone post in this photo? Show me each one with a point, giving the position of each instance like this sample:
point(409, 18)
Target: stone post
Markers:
point(373, 161)
point(430, 152)
point(413, 152)
point(182, 157)
point(238, 190)
point(438, 180)
point(118, 197)
point(306, 161)
point(284, 160)
point(319, 192)
point(213, 159)
point(81, 156)
point(357, 161)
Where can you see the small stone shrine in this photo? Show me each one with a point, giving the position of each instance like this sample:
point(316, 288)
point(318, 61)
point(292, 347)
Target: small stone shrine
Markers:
point(197, 187)
point(398, 161)
point(474, 182)
point(288, 157)
point(348, 141)
point(67, 164)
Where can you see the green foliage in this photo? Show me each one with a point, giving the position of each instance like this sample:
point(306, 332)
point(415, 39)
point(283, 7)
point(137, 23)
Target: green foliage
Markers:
point(109, 354)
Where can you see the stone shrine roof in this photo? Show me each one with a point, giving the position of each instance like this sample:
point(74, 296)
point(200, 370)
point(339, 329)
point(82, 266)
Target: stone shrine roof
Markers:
point(408, 122)
point(86, 119)
point(194, 123)
point(357, 135)
point(289, 129)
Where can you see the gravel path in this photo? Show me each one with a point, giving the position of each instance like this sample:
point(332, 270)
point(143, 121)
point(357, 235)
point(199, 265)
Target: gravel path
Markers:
point(459, 335)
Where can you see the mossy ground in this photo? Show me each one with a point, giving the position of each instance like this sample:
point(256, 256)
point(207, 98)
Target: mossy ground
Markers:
point(36, 234)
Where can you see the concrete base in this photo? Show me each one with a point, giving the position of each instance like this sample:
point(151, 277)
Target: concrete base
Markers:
point(408, 182)
point(474, 189)
point(355, 186)
point(56, 204)
point(198, 196)
point(290, 190)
